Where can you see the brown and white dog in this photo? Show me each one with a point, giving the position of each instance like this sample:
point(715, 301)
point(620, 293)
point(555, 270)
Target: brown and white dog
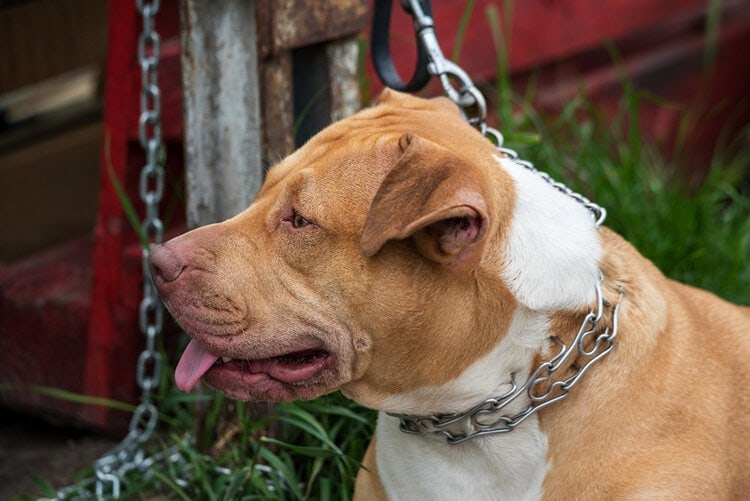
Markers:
point(398, 258)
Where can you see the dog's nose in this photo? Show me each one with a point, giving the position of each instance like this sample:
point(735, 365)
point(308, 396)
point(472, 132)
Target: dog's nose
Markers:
point(166, 265)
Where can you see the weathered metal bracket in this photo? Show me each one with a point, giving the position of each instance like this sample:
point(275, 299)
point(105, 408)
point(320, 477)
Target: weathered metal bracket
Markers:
point(243, 93)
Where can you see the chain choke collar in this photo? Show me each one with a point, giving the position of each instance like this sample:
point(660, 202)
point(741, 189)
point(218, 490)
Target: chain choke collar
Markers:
point(487, 417)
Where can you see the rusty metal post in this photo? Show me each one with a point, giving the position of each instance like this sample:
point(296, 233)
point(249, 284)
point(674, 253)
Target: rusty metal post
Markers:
point(308, 63)
point(343, 57)
point(222, 110)
point(238, 60)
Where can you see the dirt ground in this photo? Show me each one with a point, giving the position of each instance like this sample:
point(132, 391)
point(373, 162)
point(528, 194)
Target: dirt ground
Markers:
point(32, 448)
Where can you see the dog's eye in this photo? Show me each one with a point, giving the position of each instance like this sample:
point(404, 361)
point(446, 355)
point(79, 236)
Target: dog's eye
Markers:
point(298, 221)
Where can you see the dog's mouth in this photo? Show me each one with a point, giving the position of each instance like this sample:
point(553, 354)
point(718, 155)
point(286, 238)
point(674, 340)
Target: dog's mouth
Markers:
point(245, 377)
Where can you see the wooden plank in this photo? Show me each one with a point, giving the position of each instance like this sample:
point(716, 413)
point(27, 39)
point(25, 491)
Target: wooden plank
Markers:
point(326, 85)
point(278, 108)
point(343, 76)
point(222, 112)
point(319, 82)
point(45, 38)
point(289, 24)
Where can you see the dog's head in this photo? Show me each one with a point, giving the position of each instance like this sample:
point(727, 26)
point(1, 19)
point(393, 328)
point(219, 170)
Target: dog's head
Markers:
point(389, 253)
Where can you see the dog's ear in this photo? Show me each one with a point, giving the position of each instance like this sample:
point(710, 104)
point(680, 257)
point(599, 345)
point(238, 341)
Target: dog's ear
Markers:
point(433, 197)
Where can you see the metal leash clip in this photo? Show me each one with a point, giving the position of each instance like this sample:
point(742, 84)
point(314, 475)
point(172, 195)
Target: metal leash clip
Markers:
point(464, 94)
point(381, 50)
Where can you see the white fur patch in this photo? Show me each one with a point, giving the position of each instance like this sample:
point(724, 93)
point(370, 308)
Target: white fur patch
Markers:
point(502, 466)
point(552, 263)
point(553, 251)
point(508, 466)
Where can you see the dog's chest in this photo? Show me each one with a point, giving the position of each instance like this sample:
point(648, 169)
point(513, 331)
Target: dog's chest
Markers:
point(507, 466)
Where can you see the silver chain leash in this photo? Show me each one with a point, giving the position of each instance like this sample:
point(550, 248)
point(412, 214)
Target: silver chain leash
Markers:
point(129, 455)
point(151, 188)
point(110, 470)
point(469, 98)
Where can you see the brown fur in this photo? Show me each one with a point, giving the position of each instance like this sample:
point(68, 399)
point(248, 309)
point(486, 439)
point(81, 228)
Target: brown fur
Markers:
point(399, 278)
point(666, 415)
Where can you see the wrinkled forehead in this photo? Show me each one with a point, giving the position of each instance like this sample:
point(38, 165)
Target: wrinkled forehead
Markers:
point(348, 160)
point(338, 156)
point(373, 134)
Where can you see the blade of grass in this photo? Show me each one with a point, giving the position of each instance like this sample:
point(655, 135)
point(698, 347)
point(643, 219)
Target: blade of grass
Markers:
point(237, 484)
point(44, 487)
point(713, 30)
point(284, 471)
point(302, 419)
point(122, 196)
point(175, 489)
point(316, 469)
point(308, 106)
point(461, 30)
point(91, 400)
point(365, 89)
point(313, 452)
point(503, 86)
point(81, 399)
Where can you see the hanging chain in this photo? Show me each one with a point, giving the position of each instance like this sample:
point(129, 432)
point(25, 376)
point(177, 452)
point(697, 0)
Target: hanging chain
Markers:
point(151, 188)
point(110, 470)
point(128, 456)
point(461, 90)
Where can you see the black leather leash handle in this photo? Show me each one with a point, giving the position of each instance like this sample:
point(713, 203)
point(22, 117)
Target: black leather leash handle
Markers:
point(381, 49)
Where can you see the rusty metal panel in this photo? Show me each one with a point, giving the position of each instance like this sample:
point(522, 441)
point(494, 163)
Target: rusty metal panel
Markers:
point(277, 107)
point(222, 111)
point(343, 78)
point(288, 24)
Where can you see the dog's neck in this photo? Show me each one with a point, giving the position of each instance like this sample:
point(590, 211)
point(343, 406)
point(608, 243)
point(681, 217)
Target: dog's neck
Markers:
point(511, 464)
point(549, 261)
point(548, 382)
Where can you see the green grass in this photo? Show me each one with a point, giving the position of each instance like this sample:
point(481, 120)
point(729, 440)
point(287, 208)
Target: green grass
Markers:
point(311, 450)
point(695, 231)
point(698, 233)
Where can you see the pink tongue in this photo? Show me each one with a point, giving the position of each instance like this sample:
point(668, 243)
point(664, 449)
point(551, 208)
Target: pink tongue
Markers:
point(193, 364)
